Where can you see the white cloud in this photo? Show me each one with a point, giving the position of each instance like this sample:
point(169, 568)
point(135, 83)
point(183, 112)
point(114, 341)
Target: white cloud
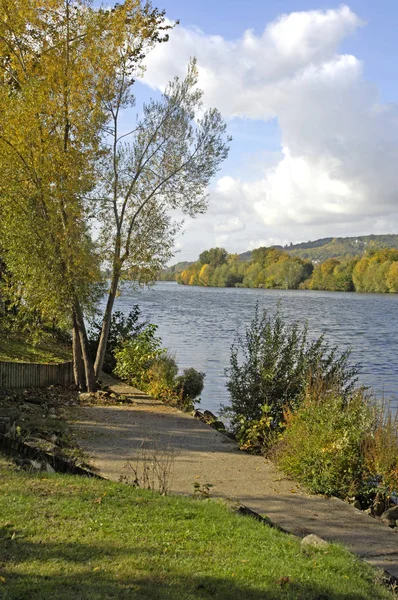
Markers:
point(338, 168)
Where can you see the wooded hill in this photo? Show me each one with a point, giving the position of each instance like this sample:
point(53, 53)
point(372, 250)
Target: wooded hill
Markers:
point(315, 251)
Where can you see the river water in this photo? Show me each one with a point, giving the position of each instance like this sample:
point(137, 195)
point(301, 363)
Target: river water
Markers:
point(199, 325)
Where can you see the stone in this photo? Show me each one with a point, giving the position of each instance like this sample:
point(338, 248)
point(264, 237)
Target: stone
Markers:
point(36, 465)
point(314, 541)
point(209, 417)
point(218, 425)
point(379, 506)
point(390, 516)
point(49, 468)
point(197, 414)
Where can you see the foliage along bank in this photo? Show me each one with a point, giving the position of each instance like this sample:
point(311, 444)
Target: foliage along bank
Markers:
point(272, 268)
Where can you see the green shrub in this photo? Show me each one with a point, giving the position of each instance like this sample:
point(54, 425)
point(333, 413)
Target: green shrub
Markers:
point(189, 386)
point(270, 365)
point(160, 378)
point(122, 328)
point(137, 355)
point(141, 361)
point(323, 442)
point(381, 453)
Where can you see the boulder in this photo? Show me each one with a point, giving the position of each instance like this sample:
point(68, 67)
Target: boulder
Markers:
point(209, 417)
point(218, 425)
point(314, 541)
point(390, 516)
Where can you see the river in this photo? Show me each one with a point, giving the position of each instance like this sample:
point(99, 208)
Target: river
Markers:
point(199, 325)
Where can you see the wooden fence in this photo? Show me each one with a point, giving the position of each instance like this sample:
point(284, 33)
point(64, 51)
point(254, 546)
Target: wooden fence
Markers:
point(25, 375)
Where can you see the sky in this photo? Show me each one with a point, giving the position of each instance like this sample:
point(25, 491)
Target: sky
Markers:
point(309, 91)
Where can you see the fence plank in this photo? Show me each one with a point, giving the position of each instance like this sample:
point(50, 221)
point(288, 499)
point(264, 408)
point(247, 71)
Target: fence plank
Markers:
point(24, 375)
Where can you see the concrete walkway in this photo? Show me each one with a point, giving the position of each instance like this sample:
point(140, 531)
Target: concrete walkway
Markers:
point(114, 435)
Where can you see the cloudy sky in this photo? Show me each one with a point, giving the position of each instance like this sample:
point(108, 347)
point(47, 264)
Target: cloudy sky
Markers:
point(309, 92)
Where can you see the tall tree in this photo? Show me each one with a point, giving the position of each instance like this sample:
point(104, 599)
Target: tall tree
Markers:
point(162, 166)
point(48, 141)
point(58, 61)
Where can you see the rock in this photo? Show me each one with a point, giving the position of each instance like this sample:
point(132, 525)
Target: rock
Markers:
point(32, 400)
point(198, 415)
point(390, 516)
point(209, 417)
point(219, 425)
point(36, 465)
point(49, 468)
point(314, 541)
point(86, 396)
point(379, 506)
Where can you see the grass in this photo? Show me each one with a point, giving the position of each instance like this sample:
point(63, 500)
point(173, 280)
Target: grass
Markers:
point(66, 537)
point(15, 347)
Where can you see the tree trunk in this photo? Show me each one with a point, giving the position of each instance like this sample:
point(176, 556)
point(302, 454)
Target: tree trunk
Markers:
point(88, 366)
point(106, 323)
point(78, 364)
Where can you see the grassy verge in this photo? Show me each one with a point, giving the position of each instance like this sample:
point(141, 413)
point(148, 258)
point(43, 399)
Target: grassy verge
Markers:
point(17, 348)
point(66, 537)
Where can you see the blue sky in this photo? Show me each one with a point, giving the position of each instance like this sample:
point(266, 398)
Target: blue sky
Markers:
point(311, 99)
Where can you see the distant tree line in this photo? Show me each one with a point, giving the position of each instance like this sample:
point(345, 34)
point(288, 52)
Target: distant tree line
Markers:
point(273, 268)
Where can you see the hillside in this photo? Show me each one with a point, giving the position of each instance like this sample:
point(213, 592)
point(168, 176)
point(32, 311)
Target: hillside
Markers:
point(316, 251)
point(325, 248)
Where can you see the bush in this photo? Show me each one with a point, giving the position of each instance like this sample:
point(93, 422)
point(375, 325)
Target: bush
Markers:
point(189, 386)
point(142, 362)
point(137, 355)
point(123, 328)
point(270, 365)
point(161, 376)
point(322, 445)
point(381, 453)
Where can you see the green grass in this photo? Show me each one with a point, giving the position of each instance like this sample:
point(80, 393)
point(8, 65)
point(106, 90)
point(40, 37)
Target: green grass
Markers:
point(65, 537)
point(18, 348)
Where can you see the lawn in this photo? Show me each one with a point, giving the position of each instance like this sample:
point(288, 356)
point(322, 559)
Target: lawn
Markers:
point(16, 347)
point(66, 537)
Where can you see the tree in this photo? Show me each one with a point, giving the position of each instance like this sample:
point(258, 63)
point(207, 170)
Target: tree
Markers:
point(48, 142)
point(213, 257)
point(163, 164)
point(60, 66)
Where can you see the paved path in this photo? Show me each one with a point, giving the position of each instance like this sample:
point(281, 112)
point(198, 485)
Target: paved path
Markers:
point(113, 435)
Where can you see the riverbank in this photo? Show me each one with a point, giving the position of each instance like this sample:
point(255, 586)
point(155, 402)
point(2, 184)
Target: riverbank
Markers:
point(119, 439)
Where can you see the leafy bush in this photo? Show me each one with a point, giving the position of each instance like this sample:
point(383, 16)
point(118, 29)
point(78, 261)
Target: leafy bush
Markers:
point(270, 365)
point(257, 435)
point(381, 453)
point(142, 362)
point(136, 356)
point(122, 328)
point(161, 376)
point(322, 445)
point(189, 386)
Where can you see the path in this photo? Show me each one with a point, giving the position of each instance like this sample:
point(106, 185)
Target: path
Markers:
point(112, 435)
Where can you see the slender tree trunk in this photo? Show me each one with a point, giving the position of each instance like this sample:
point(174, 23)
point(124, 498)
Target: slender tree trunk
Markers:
point(88, 366)
point(106, 323)
point(78, 364)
